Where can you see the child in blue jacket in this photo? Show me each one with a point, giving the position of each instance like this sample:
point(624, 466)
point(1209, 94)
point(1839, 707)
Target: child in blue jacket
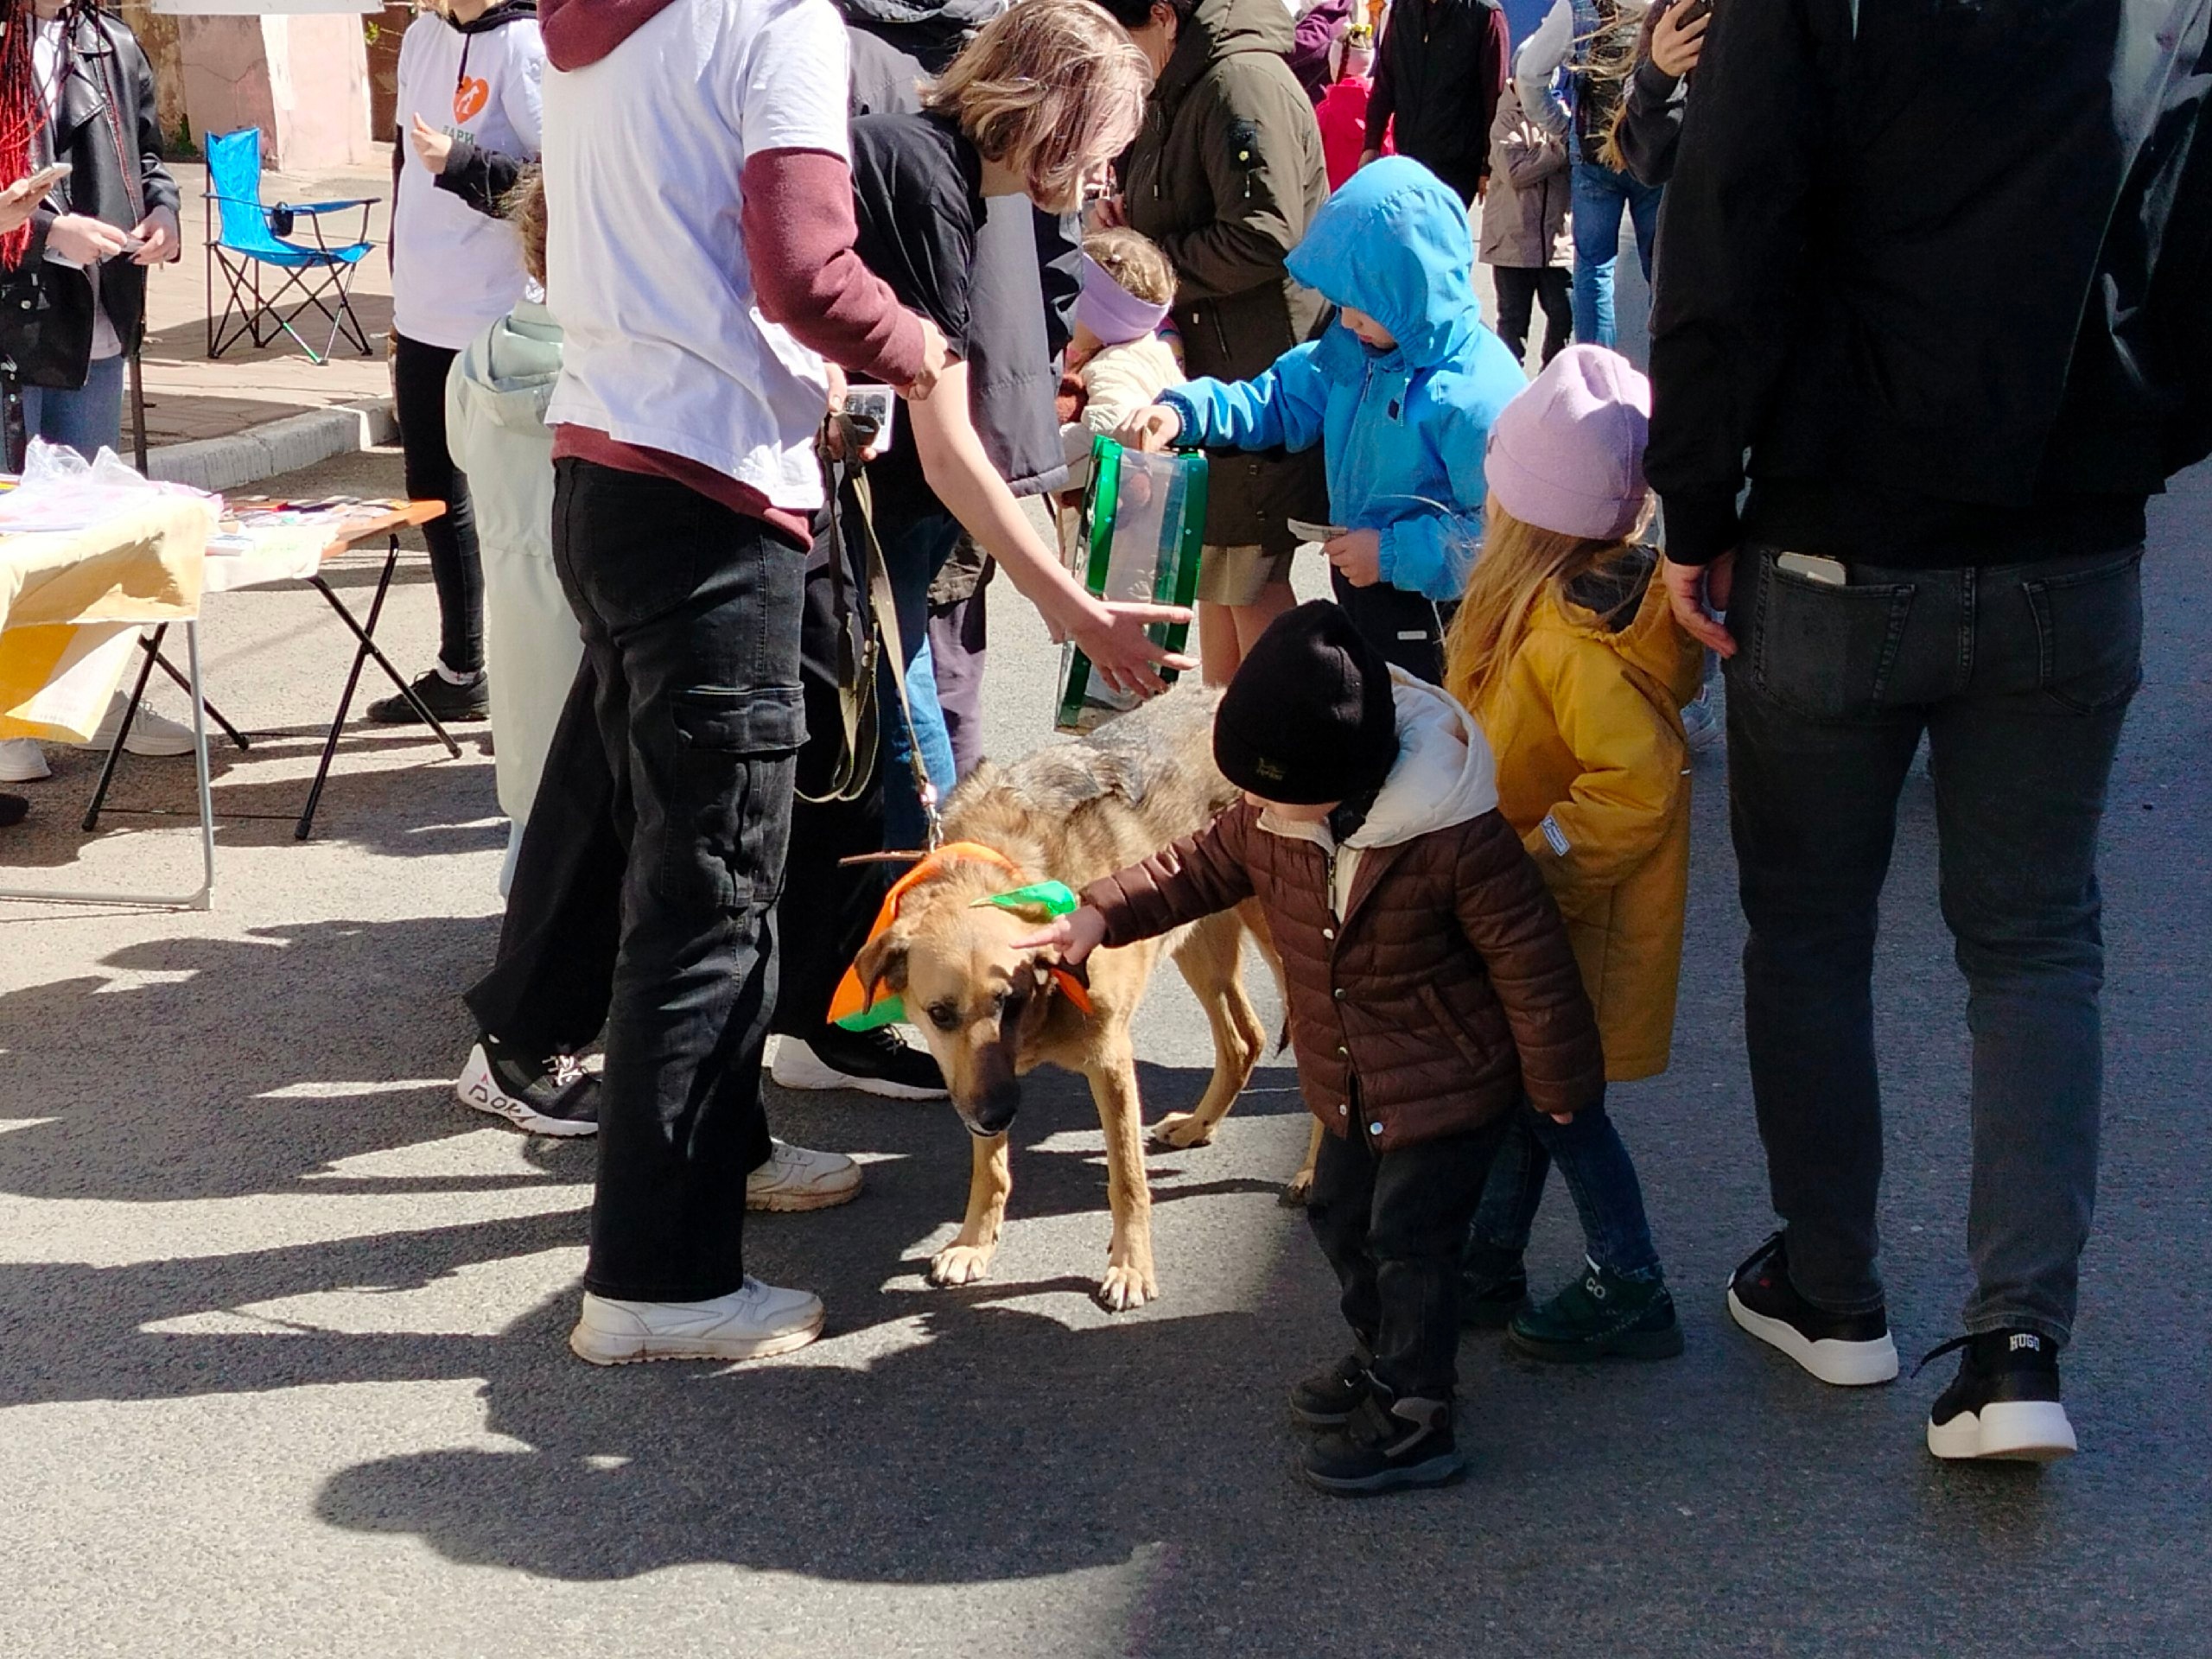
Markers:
point(1400, 392)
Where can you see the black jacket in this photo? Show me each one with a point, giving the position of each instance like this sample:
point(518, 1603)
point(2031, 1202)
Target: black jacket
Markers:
point(104, 125)
point(1028, 268)
point(1949, 276)
point(1651, 123)
point(1438, 70)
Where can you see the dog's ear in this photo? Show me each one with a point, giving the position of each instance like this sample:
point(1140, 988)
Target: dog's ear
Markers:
point(881, 965)
point(1035, 990)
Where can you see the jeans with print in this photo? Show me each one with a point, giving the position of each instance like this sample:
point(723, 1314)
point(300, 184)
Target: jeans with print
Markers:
point(680, 740)
point(1602, 194)
point(1600, 1178)
point(89, 419)
point(2020, 675)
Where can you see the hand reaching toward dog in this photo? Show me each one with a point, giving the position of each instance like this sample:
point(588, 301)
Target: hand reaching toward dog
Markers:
point(1075, 936)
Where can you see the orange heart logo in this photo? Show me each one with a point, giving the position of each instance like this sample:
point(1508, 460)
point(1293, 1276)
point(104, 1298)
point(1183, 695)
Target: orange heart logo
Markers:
point(470, 98)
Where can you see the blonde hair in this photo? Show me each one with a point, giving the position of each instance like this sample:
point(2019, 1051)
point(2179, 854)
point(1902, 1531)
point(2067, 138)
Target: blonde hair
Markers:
point(1134, 261)
point(524, 206)
point(1049, 88)
point(1519, 564)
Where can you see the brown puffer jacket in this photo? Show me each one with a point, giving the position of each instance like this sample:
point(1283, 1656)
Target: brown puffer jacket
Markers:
point(1448, 987)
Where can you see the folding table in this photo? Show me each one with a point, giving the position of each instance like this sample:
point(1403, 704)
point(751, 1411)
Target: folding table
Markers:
point(289, 559)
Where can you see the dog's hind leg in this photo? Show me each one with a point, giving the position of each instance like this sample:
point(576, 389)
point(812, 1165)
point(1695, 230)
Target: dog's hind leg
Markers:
point(968, 1258)
point(1211, 959)
point(1129, 1280)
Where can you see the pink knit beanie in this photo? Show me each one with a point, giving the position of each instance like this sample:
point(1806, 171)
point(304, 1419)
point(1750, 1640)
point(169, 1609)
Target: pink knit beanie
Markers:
point(1567, 454)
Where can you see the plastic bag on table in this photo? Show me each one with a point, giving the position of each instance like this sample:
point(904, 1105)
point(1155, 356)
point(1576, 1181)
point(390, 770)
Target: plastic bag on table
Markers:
point(62, 491)
point(1140, 536)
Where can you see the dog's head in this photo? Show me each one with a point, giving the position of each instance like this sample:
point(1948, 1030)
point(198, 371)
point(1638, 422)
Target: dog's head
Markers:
point(979, 1002)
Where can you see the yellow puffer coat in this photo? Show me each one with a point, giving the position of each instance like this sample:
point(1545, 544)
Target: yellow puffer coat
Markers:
point(1593, 771)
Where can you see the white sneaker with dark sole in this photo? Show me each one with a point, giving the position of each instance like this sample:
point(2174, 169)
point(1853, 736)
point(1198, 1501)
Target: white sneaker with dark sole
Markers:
point(2004, 1404)
point(562, 1102)
point(796, 1178)
point(1849, 1350)
point(754, 1322)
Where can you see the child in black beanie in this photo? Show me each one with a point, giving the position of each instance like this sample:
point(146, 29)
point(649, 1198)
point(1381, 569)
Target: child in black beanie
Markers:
point(1431, 988)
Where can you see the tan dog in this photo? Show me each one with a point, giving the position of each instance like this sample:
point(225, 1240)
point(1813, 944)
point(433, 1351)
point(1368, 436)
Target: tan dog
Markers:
point(1070, 812)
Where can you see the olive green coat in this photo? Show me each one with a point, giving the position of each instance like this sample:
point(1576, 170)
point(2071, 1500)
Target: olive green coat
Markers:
point(1225, 175)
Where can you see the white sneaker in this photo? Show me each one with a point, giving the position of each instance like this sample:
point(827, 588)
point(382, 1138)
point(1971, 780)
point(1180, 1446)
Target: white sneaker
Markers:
point(878, 1062)
point(796, 1178)
point(21, 761)
point(750, 1323)
point(152, 733)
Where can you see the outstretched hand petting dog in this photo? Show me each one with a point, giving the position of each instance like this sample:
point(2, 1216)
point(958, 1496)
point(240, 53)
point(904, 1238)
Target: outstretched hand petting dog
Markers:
point(1075, 936)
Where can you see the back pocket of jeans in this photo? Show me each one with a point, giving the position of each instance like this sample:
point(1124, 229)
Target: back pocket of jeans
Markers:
point(2090, 634)
point(1822, 651)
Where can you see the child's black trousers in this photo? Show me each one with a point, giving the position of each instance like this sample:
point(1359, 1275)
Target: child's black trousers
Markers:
point(1394, 1224)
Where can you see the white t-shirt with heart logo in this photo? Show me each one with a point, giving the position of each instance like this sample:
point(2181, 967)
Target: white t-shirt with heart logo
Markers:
point(455, 271)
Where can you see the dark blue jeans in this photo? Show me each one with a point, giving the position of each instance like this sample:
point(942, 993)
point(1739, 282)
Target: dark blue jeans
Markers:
point(2020, 675)
point(678, 743)
point(1599, 1176)
point(1602, 194)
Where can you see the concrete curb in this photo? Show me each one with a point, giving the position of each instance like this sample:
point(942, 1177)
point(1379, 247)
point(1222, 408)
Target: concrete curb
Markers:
point(274, 446)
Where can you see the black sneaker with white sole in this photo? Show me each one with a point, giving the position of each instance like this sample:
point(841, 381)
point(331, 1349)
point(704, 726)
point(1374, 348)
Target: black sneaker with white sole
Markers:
point(448, 700)
point(878, 1062)
point(1849, 1350)
point(556, 1096)
point(2003, 1403)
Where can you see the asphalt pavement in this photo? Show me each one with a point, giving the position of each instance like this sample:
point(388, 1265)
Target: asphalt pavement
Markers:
point(282, 1360)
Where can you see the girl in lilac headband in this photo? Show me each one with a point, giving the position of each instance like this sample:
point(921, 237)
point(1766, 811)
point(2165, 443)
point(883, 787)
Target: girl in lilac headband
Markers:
point(1117, 359)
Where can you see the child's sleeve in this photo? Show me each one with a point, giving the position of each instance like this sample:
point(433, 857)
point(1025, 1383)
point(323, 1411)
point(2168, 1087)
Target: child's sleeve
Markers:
point(1631, 758)
point(1431, 550)
point(1196, 876)
point(1509, 918)
point(1282, 407)
point(1117, 384)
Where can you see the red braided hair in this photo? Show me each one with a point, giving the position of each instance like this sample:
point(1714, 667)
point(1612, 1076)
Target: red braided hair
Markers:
point(22, 112)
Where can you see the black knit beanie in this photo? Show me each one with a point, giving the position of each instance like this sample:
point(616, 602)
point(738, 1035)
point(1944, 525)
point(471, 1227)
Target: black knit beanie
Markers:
point(1309, 716)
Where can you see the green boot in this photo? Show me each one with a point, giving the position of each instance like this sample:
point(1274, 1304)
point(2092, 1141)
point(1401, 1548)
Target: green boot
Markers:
point(1600, 1315)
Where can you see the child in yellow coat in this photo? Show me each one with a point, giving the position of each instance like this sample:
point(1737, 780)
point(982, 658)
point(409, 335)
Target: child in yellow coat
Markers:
point(1567, 652)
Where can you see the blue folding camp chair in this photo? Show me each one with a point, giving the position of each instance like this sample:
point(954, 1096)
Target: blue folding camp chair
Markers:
point(245, 235)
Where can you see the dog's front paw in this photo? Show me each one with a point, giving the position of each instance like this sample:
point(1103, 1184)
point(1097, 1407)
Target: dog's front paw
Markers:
point(1180, 1131)
point(960, 1264)
point(1127, 1288)
point(1299, 1189)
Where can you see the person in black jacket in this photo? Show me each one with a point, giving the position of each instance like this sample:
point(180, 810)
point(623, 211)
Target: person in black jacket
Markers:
point(1648, 127)
point(80, 288)
point(1956, 319)
point(1438, 72)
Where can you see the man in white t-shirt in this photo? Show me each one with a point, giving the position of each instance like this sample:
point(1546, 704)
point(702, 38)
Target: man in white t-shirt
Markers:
point(700, 228)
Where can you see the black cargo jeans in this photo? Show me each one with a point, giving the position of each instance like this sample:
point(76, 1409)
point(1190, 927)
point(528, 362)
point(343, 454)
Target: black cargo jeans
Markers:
point(2020, 675)
point(687, 717)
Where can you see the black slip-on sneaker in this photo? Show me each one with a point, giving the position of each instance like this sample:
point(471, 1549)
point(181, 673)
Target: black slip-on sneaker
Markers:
point(1847, 1349)
point(878, 1062)
point(1327, 1399)
point(2003, 1403)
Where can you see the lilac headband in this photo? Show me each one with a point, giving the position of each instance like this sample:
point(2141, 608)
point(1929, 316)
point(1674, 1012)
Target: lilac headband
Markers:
point(1111, 311)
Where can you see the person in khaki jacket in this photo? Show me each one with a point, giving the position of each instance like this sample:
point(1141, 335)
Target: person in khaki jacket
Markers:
point(1225, 175)
point(1432, 993)
point(1525, 240)
point(1566, 649)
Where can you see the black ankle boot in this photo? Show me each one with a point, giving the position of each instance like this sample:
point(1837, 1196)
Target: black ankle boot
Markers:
point(1327, 1399)
point(1391, 1442)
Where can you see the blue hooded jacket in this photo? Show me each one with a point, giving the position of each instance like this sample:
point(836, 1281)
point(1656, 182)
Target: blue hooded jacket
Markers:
point(1403, 432)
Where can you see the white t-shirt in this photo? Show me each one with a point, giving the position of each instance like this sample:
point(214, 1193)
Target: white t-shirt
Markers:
point(47, 67)
point(455, 271)
point(665, 346)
